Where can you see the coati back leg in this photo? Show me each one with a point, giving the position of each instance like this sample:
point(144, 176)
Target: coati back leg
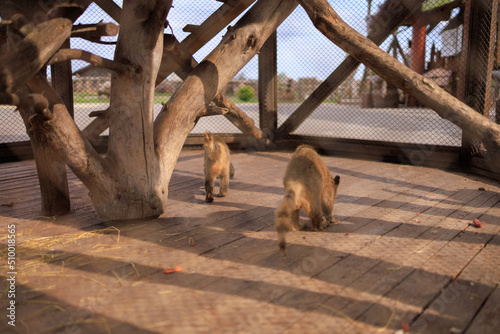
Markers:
point(209, 189)
point(224, 182)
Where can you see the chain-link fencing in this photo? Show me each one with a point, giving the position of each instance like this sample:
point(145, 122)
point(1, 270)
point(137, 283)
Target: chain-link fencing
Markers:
point(362, 107)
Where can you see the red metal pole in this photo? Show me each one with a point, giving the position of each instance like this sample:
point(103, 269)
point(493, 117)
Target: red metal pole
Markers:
point(418, 49)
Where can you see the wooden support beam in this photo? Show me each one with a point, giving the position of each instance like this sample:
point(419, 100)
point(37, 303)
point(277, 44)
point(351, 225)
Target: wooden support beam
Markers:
point(214, 24)
point(190, 28)
point(62, 80)
point(480, 20)
point(477, 64)
point(268, 86)
point(381, 26)
point(206, 31)
point(111, 8)
point(185, 63)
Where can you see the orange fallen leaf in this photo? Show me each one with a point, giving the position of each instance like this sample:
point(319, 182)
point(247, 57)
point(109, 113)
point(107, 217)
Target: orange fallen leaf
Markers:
point(477, 223)
point(172, 270)
point(405, 327)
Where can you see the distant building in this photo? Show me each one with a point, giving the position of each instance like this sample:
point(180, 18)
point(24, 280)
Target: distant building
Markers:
point(97, 80)
point(91, 80)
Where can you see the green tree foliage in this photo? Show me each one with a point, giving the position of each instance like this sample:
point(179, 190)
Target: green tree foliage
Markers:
point(246, 93)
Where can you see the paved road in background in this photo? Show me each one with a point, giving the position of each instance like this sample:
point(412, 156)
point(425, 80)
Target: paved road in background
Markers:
point(406, 125)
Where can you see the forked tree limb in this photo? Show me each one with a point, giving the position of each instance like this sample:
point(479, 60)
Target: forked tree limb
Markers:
point(186, 63)
point(61, 132)
point(95, 60)
point(328, 22)
point(236, 49)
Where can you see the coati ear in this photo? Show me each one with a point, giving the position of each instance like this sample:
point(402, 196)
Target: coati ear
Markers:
point(208, 136)
point(336, 180)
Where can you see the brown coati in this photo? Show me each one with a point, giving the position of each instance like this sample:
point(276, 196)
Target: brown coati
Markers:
point(308, 186)
point(217, 165)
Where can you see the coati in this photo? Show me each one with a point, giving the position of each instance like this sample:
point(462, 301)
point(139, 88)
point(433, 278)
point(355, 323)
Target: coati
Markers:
point(217, 165)
point(308, 186)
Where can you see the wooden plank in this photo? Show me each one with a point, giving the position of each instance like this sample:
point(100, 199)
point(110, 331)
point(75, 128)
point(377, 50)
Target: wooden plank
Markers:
point(487, 320)
point(394, 267)
point(460, 301)
point(382, 26)
point(234, 276)
point(431, 156)
point(424, 285)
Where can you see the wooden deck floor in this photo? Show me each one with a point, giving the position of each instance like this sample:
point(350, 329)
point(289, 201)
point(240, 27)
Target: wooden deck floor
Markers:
point(403, 252)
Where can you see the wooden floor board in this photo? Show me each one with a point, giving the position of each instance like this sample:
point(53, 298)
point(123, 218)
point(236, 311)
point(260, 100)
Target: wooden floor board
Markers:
point(403, 251)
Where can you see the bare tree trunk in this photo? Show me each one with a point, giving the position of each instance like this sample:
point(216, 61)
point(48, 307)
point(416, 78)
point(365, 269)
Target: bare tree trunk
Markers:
point(425, 90)
point(131, 155)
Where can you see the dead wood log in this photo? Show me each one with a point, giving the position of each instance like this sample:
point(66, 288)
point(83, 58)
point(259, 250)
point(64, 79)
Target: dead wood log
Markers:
point(238, 46)
point(94, 32)
point(95, 60)
point(328, 22)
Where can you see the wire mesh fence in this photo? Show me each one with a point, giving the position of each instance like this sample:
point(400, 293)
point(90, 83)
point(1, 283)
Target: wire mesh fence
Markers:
point(362, 107)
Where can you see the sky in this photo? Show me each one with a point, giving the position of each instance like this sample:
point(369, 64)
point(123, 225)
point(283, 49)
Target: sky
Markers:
point(302, 50)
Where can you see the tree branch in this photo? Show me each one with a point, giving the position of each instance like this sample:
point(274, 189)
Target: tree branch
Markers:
point(61, 132)
point(178, 117)
point(94, 32)
point(68, 54)
point(37, 102)
point(185, 63)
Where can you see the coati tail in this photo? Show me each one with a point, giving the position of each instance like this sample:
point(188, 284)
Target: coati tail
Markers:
point(282, 244)
point(284, 221)
point(231, 170)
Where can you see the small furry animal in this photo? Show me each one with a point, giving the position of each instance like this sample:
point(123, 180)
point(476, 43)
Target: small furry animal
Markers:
point(217, 165)
point(308, 186)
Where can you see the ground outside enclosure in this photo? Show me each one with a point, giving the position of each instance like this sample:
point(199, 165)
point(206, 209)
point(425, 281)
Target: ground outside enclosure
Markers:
point(405, 256)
